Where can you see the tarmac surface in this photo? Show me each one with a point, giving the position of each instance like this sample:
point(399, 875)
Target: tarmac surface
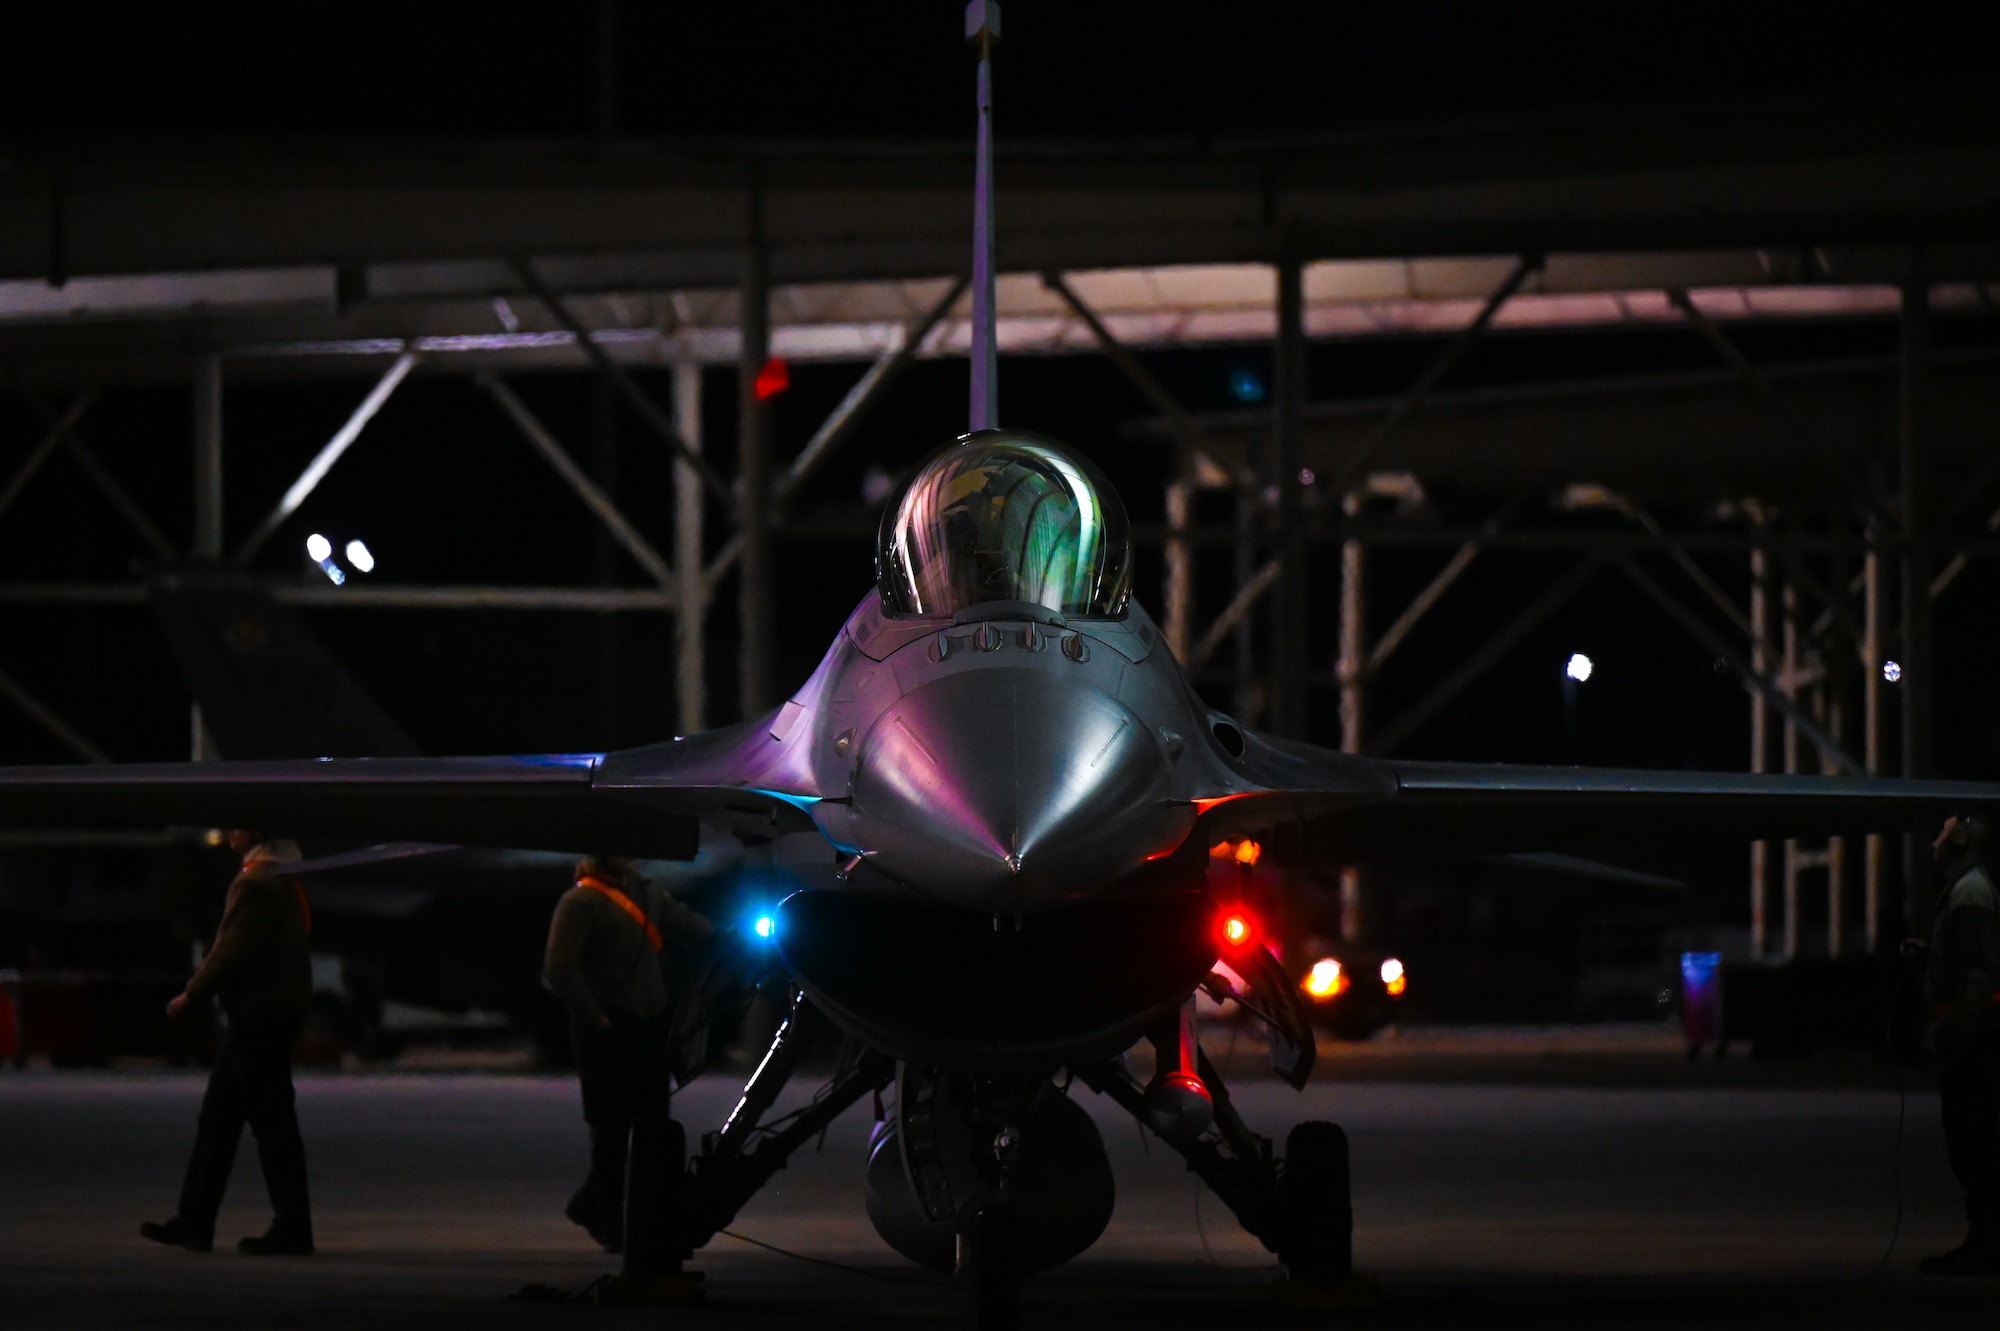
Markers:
point(1482, 1204)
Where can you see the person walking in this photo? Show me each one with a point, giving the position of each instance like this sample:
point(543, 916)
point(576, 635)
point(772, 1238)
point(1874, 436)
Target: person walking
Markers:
point(1962, 971)
point(260, 970)
point(603, 964)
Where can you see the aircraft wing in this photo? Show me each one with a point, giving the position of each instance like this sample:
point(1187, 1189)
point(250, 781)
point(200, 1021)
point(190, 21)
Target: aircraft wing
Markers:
point(645, 803)
point(1350, 809)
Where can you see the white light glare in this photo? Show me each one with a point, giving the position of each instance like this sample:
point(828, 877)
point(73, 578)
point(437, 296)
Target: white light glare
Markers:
point(318, 547)
point(1392, 971)
point(361, 557)
point(1892, 671)
point(1579, 667)
point(766, 926)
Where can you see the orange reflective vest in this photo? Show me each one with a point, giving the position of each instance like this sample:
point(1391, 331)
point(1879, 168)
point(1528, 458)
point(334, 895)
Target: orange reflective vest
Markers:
point(626, 904)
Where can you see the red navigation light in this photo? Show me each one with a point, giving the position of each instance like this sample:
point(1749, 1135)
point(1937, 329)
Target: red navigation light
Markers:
point(773, 379)
point(1236, 930)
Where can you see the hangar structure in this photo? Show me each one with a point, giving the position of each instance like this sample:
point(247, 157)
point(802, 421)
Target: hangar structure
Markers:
point(1848, 495)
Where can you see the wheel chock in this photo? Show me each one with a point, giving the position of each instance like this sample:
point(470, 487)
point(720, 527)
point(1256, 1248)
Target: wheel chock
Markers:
point(1355, 1294)
point(677, 1289)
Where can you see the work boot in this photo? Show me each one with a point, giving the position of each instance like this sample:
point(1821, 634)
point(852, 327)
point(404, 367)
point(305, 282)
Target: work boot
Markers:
point(177, 1233)
point(583, 1211)
point(1979, 1255)
point(277, 1241)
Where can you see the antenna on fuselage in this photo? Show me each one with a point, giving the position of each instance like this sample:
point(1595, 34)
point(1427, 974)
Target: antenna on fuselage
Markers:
point(982, 29)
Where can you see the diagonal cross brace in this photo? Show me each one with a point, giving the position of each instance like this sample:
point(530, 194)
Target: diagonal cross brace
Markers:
point(50, 442)
point(115, 494)
point(840, 422)
point(587, 490)
point(649, 410)
point(1709, 638)
point(323, 461)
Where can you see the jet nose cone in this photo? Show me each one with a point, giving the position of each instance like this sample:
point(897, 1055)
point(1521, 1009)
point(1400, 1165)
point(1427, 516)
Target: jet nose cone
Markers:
point(1005, 789)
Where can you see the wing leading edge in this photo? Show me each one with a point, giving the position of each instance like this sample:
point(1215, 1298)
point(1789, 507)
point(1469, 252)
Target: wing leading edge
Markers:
point(1350, 809)
point(558, 802)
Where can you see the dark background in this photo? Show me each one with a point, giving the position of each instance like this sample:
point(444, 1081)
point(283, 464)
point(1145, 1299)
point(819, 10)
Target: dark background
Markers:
point(443, 490)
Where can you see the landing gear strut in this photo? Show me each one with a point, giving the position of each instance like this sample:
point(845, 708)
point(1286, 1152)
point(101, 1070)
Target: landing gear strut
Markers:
point(1299, 1207)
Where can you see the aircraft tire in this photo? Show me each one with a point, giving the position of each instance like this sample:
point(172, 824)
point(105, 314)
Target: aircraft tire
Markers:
point(1315, 1204)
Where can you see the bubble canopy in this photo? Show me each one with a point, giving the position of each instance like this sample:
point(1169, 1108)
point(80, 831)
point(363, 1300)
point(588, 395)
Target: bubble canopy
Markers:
point(1006, 515)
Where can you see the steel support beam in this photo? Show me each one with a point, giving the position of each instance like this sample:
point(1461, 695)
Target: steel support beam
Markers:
point(636, 397)
point(1552, 599)
point(1730, 657)
point(586, 489)
point(1871, 724)
point(1234, 614)
point(1780, 406)
point(840, 423)
point(1293, 662)
point(1424, 601)
point(324, 461)
point(1760, 739)
point(41, 715)
point(755, 616)
point(51, 441)
point(1184, 427)
point(691, 627)
point(114, 493)
point(1913, 470)
point(207, 544)
point(1179, 561)
point(1357, 461)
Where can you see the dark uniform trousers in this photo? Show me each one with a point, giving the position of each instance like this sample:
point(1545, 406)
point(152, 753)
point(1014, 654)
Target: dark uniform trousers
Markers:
point(1968, 1065)
point(250, 1083)
point(625, 1072)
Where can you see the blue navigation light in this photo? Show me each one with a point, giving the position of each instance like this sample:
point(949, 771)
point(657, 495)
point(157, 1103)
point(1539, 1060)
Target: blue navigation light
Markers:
point(1245, 385)
point(765, 926)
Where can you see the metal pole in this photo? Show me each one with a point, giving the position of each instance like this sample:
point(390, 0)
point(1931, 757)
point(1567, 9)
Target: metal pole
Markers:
point(982, 28)
point(1354, 913)
point(1914, 468)
point(1180, 570)
point(206, 547)
point(1288, 713)
point(207, 460)
point(1760, 749)
point(753, 456)
point(1871, 724)
point(1247, 696)
point(690, 628)
point(1789, 747)
point(603, 559)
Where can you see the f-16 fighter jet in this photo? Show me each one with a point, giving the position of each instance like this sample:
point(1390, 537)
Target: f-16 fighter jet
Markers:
point(1014, 791)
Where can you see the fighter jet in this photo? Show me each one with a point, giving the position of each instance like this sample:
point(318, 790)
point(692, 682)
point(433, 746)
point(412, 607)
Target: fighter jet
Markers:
point(1010, 790)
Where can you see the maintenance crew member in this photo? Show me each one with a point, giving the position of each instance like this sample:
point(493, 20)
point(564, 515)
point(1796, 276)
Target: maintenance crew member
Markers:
point(1961, 973)
point(260, 968)
point(603, 964)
